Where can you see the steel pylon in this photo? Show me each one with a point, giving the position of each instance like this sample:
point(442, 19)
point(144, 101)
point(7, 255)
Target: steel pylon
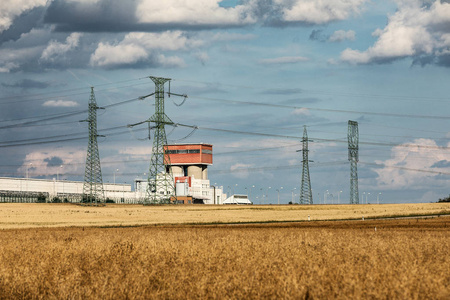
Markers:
point(353, 157)
point(160, 186)
point(93, 192)
point(305, 192)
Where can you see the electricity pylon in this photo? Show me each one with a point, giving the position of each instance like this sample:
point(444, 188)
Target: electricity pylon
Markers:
point(93, 192)
point(305, 193)
point(353, 157)
point(160, 186)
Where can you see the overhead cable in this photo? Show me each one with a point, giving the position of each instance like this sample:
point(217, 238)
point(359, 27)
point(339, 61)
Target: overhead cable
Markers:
point(325, 109)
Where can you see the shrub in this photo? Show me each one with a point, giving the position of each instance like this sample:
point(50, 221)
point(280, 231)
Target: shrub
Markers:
point(41, 198)
point(447, 199)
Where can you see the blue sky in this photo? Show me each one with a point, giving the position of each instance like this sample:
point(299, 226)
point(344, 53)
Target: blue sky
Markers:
point(255, 72)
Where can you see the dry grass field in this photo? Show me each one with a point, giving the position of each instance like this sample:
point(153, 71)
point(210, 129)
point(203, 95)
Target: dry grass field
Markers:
point(28, 215)
point(401, 259)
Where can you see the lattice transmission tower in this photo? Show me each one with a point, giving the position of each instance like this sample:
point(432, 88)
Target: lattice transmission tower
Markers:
point(160, 186)
point(93, 192)
point(305, 192)
point(353, 157)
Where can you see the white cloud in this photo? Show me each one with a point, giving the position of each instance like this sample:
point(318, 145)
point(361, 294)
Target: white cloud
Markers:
point(41, 162)
point(209, 12)
point(399, 173)
point(240, 170)
point(319, 12)
point(56, 49)
point(192, 12)
point(302, 112)
point(136, 152)
point(12, 59)
point(227, 36)
point(84, 1)
point(202, 57)
point(109, 55)
point(342, 35)
point(168, 40)
point(60, 103)
point(170, 61)
point(283, 60)
point(415, 29)
point(141, 46)
point(8, 67)
point(10, 9)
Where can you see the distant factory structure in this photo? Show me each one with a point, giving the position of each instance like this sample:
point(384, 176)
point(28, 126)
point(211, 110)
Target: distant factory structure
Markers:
point(189, 167)
point(53, 190)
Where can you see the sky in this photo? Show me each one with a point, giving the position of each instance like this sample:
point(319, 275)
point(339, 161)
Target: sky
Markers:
point(255, 72)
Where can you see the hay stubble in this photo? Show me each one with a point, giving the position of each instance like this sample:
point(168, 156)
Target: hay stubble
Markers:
point(403, 259)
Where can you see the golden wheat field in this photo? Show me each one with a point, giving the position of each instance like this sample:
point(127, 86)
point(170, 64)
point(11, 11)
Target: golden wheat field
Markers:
point(401, 259)
point(28, 215)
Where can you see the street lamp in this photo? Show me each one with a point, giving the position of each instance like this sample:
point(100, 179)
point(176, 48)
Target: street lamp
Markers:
point(117, 170)
point(28, 168)
point(57, 172)
point(267, 198)
point(279, 195)
point(250, 192)
point(123, 192)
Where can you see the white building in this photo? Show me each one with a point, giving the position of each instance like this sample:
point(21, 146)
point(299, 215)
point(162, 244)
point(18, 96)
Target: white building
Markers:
point(238, 199)
point(188, 165)
point(30, 189)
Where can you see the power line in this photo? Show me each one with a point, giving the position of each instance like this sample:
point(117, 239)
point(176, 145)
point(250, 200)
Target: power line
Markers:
point(343, 140)
point(64, 115)
point(61, 95)
point(324, 109)
point(315, 139)
point(405, 168)
point(330, 92)
point(276, 168)
point(29, 142)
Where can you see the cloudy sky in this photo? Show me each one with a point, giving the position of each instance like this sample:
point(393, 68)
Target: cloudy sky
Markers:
point(255, 72)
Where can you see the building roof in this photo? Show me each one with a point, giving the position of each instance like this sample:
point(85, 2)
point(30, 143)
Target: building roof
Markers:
point(190, 144)
point(237, 199)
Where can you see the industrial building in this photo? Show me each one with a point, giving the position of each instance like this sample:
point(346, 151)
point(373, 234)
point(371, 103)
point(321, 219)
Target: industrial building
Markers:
point(188, 165)
point(238, 200)
point(46, 190)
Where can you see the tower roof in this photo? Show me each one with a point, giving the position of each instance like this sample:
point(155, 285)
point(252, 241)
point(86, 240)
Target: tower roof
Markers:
point(189, 154)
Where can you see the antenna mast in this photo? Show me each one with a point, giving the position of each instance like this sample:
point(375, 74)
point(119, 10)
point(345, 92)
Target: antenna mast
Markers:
point(353, 157)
